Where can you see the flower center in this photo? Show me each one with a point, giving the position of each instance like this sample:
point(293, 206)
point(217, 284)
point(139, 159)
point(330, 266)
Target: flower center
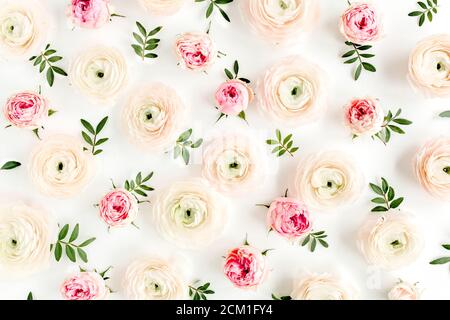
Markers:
point(60, 166)
point(100, 74)
point(13, 242)
point(149, 116)
point(447, 170)
point(439, 66)
point(11, 28)
point(283, 5)
point(396, 244)
point(329, 184)
point(234, 165)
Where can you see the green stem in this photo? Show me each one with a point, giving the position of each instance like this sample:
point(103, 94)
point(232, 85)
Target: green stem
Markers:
point(68, 244)
point(357, 52)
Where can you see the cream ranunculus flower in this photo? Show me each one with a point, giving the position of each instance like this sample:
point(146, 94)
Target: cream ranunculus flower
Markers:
point(162, 7)
point(326, 180)
point(59, 167)
point(25, 237)
point(432, 167)
point(190, 214)
point(390, 241)
point(99, 72)
point(154, 279)
point(233, 164)
point(322, 287)
point(429, 65)
point(153, 116)
point(292, 92)
point(280, 21)
point(22, 27)
point(404, 291)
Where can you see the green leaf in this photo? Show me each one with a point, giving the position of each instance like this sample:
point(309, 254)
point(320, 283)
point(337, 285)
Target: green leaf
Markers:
point(445, 114)
point(88, 126)
point(402, 121)
point(376, 189)
point(63, 232)
point(278, 134)
point(185, 135)
point(236, 67)
point(209, 11)
point(384, 185)
point(60, 71)
point(313, 245)
point(442, 260)
point(281, 152)
point(51, 112)
point(148, 177)
point(87, 242)
point(176, 151)
point(348, 54)
point(287, 138)
point(140, 192)
point(394, 204)
point(10, 165)
point(379, 209)
point(351, 60)
point(70, 253)
point(323, 243)
point(446, 246)
point(154, 31)
point(197, 144)
point(271, 142)
point(306, 240)
point(430, 16)
point(390, 194)
point(151, 46)
point(293, 149)
point(242, 115)
point(87, 138)
point(141, 28)
point(101, 125)
point(358, 72)
point(49, 52)
point(82, 254)
point(138, 38)
point(42, 67)
point(396, 129)
point(58, 251)
point(369, 67)
point(363, 48)
point(151, 55)
point(139, 178)
point(185, 155)
point(50, 76)
point(137, 50)
point(224, 15)
point(75, 233)
point(96, 152)
point(422, 5)
point(101, 141)
point(378, 200)
point(421, 20)
point(277, 149)
point(228, 74)
point(367, 55)
point(30, 296)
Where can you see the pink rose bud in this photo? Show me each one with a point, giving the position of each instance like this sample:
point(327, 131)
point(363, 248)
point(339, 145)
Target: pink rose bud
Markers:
point(288, 217)
point(364, 116)
point(360, 24)
point(26, 110)
point(233, 96)
point(245, 267)
point(90, 14)
point(118, 208)
point(195, 50)
point(84, 286)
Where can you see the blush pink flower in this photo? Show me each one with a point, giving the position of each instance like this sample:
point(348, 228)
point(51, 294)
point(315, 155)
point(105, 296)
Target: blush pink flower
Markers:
point(288, 217)
point(360, 24)
point(233, 97)
point(364, 116)
point(26, 110)
point(195, 50)
point(245, 267)
point(118, 208)
point(91, 14)
point(84, 286)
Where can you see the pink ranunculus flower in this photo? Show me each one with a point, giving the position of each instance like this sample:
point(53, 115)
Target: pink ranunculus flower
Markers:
point(245, 267)
point(364, 116)
point(118, 208)
point(404, 291)
point(91, 14)
point(26, 110)
point(84, 286)
point(288, 217)
point(360, 24)
point(233, 97)
point(195, 50)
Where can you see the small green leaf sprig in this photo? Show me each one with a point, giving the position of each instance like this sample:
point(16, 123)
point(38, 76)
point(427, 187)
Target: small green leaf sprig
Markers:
point(313, 238)
point(445, 114)
point(216, 4)
point(442, 260)
point(145, 42)
point(233, 76)
point(284, 145)
point(183, 144)
point(9, 165)
point(385, 197)
point(200, 292)
point(356, 56)
point(70, 248)
point(385, 134)
point(30, 296)
point(138, 186)
point(275, 297)
point(429, 7)
point(46, 60)
point(94, 141)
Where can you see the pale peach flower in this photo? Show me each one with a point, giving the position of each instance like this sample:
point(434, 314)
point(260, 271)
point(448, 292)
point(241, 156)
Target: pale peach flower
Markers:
point(322, 286)
point(404, 291)
point(162, 7)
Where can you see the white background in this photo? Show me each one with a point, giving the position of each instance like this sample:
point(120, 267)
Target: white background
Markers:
point(121, 161)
